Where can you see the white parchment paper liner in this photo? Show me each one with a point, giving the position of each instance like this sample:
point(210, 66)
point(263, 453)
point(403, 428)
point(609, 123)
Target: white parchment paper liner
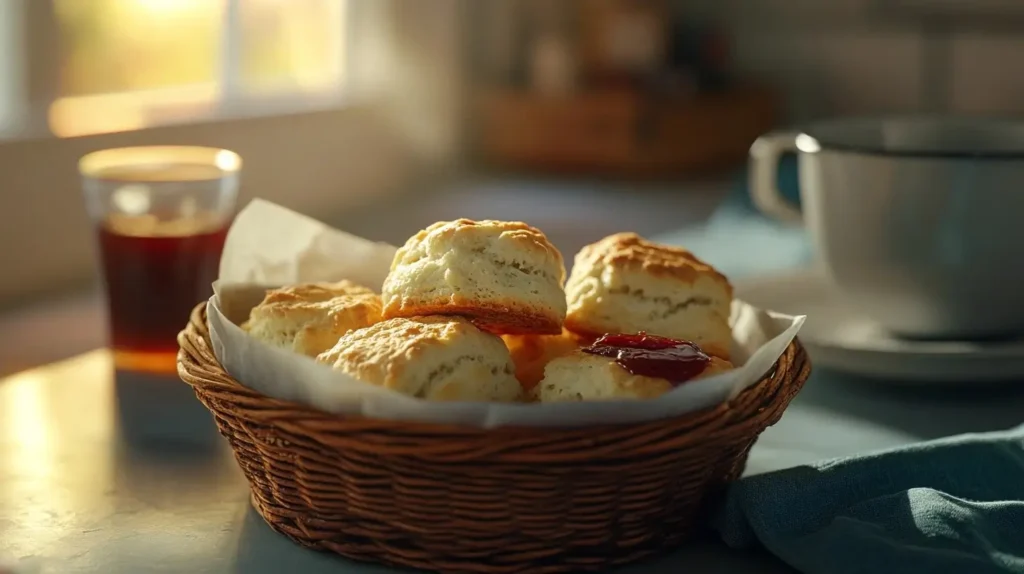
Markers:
point(269, 246)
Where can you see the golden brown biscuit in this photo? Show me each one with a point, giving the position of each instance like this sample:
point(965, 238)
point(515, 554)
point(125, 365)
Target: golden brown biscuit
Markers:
point(503, 275)
point(581, 376)
point(531, 353)
point(435, 358)
point(626, 284)
point(310, 318)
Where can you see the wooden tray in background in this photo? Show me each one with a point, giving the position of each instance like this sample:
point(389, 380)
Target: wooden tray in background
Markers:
point(618, 132)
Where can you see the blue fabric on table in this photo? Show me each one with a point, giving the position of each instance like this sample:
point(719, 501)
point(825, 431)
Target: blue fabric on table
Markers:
point(954, 505)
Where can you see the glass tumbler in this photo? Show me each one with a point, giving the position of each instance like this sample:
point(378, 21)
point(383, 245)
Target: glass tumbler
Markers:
point(161, 215)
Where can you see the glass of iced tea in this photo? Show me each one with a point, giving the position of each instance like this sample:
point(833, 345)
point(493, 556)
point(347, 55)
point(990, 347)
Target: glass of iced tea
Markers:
point(162, 214)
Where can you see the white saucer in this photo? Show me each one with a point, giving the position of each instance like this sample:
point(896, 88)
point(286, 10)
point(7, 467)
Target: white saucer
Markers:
point(838, 338)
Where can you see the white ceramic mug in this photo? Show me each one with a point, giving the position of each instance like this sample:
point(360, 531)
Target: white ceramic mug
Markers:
point(918, 222)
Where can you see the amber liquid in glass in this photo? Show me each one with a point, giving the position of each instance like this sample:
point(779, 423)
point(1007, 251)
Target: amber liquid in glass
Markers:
point(155, 272)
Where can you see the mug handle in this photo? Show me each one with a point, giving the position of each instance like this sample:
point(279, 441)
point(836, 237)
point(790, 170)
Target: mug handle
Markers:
point(764, 170)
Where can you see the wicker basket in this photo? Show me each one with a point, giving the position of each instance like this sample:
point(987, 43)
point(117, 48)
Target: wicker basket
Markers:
point(457, 499)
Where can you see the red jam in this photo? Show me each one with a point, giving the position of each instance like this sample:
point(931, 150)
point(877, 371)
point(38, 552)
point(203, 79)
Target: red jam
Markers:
point(651, 356)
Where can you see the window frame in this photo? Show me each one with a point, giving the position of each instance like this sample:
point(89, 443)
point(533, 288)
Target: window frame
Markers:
point(30, 52)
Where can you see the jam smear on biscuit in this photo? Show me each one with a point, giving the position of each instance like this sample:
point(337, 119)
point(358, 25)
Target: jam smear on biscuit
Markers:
point(646, 355)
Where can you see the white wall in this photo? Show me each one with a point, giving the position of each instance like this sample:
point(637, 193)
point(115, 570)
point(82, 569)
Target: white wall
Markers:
point(314, 163)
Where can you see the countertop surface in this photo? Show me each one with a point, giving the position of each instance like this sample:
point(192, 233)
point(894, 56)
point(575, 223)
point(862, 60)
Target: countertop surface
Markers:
point(101, 474)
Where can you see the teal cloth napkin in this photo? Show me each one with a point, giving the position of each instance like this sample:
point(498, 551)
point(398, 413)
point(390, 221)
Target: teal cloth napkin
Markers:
point(954, 505)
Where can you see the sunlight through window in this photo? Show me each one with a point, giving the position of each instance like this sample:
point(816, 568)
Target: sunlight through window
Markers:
point(130, 64)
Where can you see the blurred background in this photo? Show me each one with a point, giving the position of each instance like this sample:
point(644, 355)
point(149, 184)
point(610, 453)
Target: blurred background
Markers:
point(582, 117)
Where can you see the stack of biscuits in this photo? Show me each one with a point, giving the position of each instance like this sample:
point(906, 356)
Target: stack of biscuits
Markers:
point(481, 311)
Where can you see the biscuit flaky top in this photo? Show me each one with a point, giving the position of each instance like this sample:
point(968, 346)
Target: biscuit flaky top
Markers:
point(477, 234)
point(437, 358)
point(503, 275)
point(308, 318)
point(310, 293)
point(630, 251)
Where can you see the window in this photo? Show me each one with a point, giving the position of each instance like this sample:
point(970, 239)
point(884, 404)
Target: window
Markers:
point(12, 40)
point(131, 64)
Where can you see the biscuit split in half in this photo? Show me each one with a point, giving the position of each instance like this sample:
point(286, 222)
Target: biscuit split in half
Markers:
point(532, 353)
point(435, 358)
point(311, 317)
point(583, 377)
point(504, 276)
point(626, 284)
